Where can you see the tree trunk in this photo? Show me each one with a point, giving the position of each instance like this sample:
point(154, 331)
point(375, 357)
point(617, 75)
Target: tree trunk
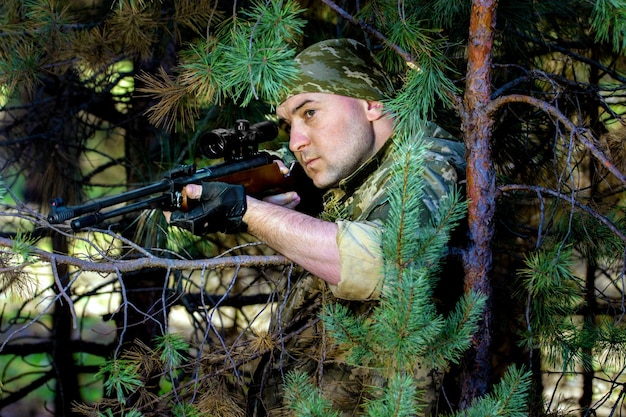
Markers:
point(67, 390)
point(477, 128)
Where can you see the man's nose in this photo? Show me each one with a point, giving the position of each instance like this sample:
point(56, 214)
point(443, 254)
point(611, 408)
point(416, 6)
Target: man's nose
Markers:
point(298, 140)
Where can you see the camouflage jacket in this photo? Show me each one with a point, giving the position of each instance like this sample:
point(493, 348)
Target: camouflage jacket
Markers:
point(359, 206)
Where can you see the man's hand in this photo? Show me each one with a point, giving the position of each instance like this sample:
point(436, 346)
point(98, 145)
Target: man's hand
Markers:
point(220, 208)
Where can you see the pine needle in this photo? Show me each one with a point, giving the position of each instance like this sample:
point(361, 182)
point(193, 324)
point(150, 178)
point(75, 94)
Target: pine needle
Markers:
point(172, 107)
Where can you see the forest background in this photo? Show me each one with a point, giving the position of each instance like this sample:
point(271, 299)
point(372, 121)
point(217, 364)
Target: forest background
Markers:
point(103, 96)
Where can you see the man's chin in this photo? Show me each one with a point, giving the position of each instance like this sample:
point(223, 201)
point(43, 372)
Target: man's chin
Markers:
point(324, 183)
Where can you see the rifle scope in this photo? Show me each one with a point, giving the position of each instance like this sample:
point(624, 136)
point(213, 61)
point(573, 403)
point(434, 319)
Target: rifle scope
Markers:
point(237, 143)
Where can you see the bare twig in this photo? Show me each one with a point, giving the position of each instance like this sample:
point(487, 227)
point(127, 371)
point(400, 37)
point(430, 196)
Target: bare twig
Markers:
point(154, 262)
point(584, 135)
point(542, 190)
point(372, 31)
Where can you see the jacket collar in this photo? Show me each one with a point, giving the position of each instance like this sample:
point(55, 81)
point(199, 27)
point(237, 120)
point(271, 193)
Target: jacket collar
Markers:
point(354, 180)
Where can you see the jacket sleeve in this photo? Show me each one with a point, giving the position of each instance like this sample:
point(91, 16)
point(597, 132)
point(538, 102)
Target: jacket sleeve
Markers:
point(360, 252)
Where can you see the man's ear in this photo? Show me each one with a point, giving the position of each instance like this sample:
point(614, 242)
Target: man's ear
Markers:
point(374, 110)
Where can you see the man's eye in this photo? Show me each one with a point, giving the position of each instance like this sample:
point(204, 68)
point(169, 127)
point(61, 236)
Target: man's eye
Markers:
point(309, 113)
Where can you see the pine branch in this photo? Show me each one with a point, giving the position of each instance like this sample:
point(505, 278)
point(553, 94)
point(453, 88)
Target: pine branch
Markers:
point(609, 21)
point(459, 327)
point(400, 398)
point(508, 398)
point(304, 399)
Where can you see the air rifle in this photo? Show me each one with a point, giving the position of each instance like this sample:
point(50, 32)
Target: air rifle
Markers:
point(243, 164)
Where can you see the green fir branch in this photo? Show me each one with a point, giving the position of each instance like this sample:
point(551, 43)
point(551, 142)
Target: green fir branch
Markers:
point(610, 343)
point(399, 398)
point(203, 72)
point(608, 18)
point(350, 333)
point(121, 377)
point(458, 328)
point(250, 58)
point(405, 201)
point(258, 70)
point(417, 242)
point(172, 348)
point(277, 20)
point(304, 399)
point(508, 399)
point(423, 87)
point(21, 67)
point(406, 324)
point(554, 297)
point(259, 48)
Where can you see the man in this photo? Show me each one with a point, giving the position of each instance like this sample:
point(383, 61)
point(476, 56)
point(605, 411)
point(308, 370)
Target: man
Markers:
point(342, 137)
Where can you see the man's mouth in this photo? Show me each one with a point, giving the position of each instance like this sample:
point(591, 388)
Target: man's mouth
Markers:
point(309, 162)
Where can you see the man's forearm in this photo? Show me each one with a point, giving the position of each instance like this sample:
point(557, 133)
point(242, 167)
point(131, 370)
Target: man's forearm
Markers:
point(306, 240)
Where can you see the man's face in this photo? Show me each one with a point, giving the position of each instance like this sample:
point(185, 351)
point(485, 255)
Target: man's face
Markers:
point(330, 135)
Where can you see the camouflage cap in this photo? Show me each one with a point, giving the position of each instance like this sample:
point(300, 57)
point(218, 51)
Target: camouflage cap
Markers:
point(339, 66)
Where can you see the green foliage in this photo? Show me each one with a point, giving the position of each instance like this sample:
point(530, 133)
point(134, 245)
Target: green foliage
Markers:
point(609, 21)
point(23, 246)
point(508, 398)
point(257, 58)
point(426, 81)
point(610, 337)
point(413, 252)
point(400, 398)
point(249, 59)
point(121, 377)
point(16, 277)
point(172, 348)
point(139, 370)
point(304, 399)
point(423, 86)
point(125, 413)
point(185, 410)
point(554, 296)
point(457, 329)
point(592, 238)
point(21, 65)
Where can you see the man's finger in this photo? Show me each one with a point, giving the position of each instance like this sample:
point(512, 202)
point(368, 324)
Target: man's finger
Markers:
point(290, 199)
point(193, 191)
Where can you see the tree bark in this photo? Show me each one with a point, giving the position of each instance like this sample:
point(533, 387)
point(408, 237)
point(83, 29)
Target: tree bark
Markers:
point(477, 128)
point(67, 389)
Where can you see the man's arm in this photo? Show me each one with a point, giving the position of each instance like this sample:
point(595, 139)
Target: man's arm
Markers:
point(306, 240)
